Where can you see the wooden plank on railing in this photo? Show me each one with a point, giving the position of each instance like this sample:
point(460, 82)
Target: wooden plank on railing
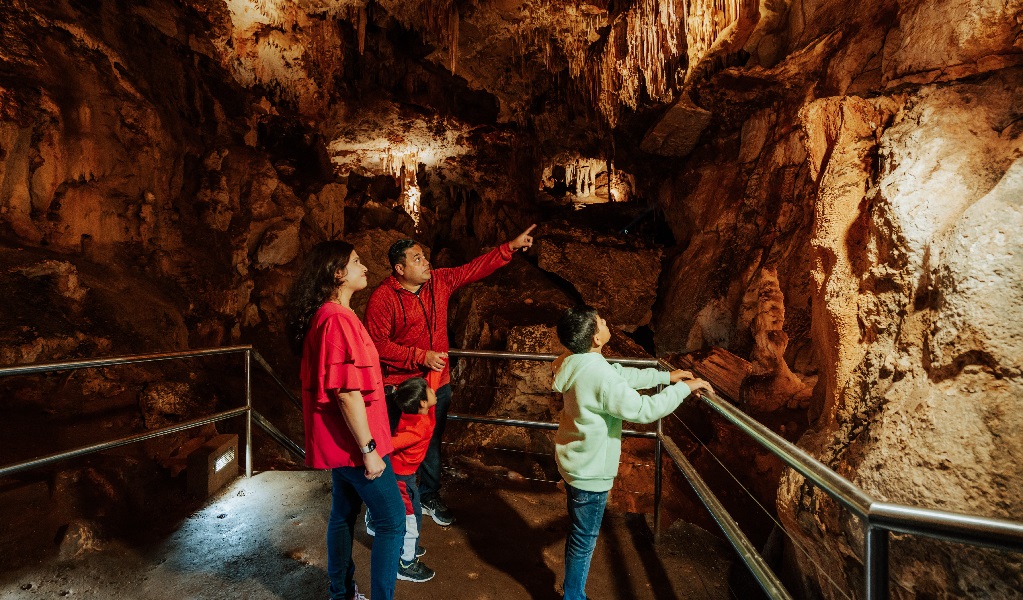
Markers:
point(724, 370)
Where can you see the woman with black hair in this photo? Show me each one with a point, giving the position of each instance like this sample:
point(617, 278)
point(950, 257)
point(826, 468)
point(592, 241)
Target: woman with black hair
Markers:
point(345, 415)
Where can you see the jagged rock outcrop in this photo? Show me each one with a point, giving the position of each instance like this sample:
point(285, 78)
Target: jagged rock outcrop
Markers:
point(886, 185)
point(905, 392)
point(617, 279)
point(771, 384)
point(678, 131)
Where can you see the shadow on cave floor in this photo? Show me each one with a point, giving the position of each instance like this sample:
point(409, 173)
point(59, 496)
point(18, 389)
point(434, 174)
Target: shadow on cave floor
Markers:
point(264, 538)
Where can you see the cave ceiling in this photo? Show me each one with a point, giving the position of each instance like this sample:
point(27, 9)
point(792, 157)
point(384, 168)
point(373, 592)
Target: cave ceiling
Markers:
point(393, 82)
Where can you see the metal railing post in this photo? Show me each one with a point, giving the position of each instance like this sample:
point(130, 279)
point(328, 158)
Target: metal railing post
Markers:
point(657, 484)
point(875, 562)
point(248, 413)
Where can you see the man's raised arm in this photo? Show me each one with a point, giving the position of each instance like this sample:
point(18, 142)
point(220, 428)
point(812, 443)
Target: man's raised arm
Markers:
point(484, 265)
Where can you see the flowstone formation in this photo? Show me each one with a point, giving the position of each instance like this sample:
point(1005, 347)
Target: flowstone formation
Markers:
point(920, 384)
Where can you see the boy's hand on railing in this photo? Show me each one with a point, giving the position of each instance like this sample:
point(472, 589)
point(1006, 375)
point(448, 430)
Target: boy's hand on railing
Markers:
point(697, 386)
point(680, 375)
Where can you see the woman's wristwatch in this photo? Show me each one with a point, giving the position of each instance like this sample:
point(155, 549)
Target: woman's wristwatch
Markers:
point(369, 447)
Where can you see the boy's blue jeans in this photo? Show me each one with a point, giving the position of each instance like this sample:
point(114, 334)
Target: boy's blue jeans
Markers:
point(381, 495)
point(585, 512)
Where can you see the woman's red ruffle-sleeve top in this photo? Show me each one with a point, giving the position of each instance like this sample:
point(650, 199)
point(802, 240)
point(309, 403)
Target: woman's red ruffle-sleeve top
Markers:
point(339, 355)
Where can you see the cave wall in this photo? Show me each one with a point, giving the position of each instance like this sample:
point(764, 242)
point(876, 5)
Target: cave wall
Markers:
point(123, 144)
point(191, 142)
point(874, 168)
point(919, 277)
point(846, 217)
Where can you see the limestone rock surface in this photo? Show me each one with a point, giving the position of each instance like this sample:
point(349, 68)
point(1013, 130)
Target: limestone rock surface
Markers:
point(616, 280)
point(919, 382)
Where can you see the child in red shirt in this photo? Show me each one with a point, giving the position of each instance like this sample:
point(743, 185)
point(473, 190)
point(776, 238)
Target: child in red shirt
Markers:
point(413, 419)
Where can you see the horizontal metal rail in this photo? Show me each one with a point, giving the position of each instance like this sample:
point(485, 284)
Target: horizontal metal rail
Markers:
point(770, 583)
point(536, 424)
point(131, 439)
point(951, 526)
point(629, 362)
point(72, 365)
point(278, 436)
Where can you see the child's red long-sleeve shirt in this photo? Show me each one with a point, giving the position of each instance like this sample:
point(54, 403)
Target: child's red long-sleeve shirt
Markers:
point(411, 440)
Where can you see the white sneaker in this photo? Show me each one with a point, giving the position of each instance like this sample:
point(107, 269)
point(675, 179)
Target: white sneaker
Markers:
point(357, 595)
point(369, 524)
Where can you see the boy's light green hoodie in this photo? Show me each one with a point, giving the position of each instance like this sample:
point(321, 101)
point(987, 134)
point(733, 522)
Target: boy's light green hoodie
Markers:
point(598, 397)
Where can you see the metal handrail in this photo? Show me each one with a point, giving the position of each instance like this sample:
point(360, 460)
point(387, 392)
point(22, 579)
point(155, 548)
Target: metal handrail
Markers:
point(948, 525)
point(71, 365)
point(767, 579)
point(131, 439)
point(747, 551)
point(249, 353)
point(879, 518)
point(627, 361)
point(832, 483)
point(992, 532)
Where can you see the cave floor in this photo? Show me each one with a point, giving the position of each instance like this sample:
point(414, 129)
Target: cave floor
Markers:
point(263, 538)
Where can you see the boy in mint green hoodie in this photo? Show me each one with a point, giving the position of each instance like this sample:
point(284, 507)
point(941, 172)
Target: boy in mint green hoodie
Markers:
point(598, 397)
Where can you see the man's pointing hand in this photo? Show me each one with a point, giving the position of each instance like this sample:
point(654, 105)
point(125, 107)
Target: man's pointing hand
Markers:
point(524, 241)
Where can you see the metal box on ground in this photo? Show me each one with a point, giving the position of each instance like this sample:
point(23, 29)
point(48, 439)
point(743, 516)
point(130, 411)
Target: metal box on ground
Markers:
point(212, 465)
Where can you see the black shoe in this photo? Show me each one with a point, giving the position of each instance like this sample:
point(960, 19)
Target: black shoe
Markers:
point(420, 551)
point(440, 513)
point(414, 571)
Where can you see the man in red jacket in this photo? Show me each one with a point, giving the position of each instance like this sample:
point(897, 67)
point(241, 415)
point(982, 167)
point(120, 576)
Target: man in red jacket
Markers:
point(407, 318)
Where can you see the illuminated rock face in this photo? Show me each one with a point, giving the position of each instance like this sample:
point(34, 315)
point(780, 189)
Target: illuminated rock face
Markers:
point(837, 186)
point(920, 400)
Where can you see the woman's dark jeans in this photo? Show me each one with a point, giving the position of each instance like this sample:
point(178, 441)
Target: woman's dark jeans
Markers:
point(381, 495)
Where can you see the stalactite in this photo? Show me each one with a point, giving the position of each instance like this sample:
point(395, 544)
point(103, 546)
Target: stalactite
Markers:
point(362, 29)
point(706, 20)
point(642, 46)
point(401, 159)
point(453, 37)
point(610, 175)
point(277, 13)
